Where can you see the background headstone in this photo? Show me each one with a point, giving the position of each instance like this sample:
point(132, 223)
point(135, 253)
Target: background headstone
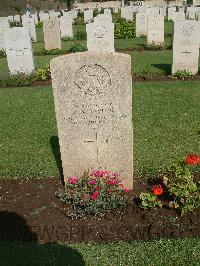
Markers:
point(93, 104)
point(155, 29)
point(100, 36)
point(141, 24)
point(30, 24)
point(185, 46)
point(66, 28)
point(88, 16)
point(19, 50)
point(52, 38)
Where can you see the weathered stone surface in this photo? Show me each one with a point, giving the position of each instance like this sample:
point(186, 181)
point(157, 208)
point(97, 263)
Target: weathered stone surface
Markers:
point(185, 46)
point(141, 24)
point(19, 50)
point(171, 11)
point(66, 28)
point(51, 29)
point(100, 36)
point(88, 15)
point(155, 29)
point(43, 16)
point(103, 17)
point(107, 11)
point(178, 16)
point(93, 104)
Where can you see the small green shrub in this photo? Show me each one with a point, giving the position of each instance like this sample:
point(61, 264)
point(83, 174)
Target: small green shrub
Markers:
point(51, 52)
point(80, 35)
point(94, 193)
point(79, 21)
point(183, 74)
point(2, 53)
point(39, 24)
point(67, 38)
point(124, 29)
point(18, 80)
point(181, 185)
point(148, 200)
point(44, 73)
point(76, 47)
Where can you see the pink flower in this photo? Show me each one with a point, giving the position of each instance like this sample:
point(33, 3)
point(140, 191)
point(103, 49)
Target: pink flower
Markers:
point(96, 188)
point(116, 174)
point(125, 190)
point(112, 182)
point(100, 173)
point(92, 182)
point(73, 180)
point(95, 195)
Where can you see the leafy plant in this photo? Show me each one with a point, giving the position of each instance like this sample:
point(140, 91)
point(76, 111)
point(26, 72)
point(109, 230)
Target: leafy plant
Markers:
point(39, 24)
point(80, 35)
point(183, 74)
point(181, 186)
point(44, 73)
point(67, 38)
point(149, 200)
point(51, 52)
point(124, 29)
point(94, 193)
point(79, 20)
point(2, 53)
point(76, 47)
point(18, 80)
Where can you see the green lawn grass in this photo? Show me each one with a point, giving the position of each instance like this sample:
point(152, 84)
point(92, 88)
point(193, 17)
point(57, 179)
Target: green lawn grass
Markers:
point(163, 252)
point(166, 123)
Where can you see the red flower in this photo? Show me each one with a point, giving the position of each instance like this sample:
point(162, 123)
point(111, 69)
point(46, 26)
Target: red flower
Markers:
point(157, 190)
point(193, 159)
point(95, 195)
point(84, 196)
point(96, 188)
point(112, 182)
point(125, 190)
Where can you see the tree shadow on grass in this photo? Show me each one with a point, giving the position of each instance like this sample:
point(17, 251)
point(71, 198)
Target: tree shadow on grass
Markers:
point(54, 141)
point(165, 67)
point(18, 246)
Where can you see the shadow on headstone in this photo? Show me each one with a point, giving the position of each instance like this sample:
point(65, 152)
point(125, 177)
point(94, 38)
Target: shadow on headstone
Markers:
point(18, 245)
point(54, 141)
point(165, 67)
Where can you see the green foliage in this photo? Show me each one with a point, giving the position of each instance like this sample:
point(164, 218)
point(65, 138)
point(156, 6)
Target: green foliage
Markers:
point(182, 187)
point(39, 24)
point(124, 29)
point(92, 194)
point(2, 53)
point(44, 73)
point(76, 47)
point(148, 200)
point(67, 38)
point(18, 80)
point(154, 47)
point(51, 52)
point(80, 35)
point(183, 74)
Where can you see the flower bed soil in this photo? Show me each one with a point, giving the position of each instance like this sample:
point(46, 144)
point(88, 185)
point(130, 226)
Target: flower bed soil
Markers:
point(29, 211)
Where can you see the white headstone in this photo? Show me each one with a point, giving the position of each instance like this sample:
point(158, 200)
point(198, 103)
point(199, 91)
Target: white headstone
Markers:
point(51, 29)
point(93, 104)
point(4, 26)
point(17, 18)
point(30, 24)
point(141, 24)
point(88, 16)
point(19, 50)
point(155, 29)
point(66, 28)
point(100, 36)
point(127, 13)
point(185, 46)
point(171, 11)
point(107, 11)
point(177, 16)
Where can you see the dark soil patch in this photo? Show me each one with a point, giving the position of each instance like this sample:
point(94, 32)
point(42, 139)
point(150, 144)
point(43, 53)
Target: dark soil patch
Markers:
point(29, 211)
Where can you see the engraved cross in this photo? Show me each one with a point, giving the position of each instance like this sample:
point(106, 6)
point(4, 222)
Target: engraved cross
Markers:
point(98, 143)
